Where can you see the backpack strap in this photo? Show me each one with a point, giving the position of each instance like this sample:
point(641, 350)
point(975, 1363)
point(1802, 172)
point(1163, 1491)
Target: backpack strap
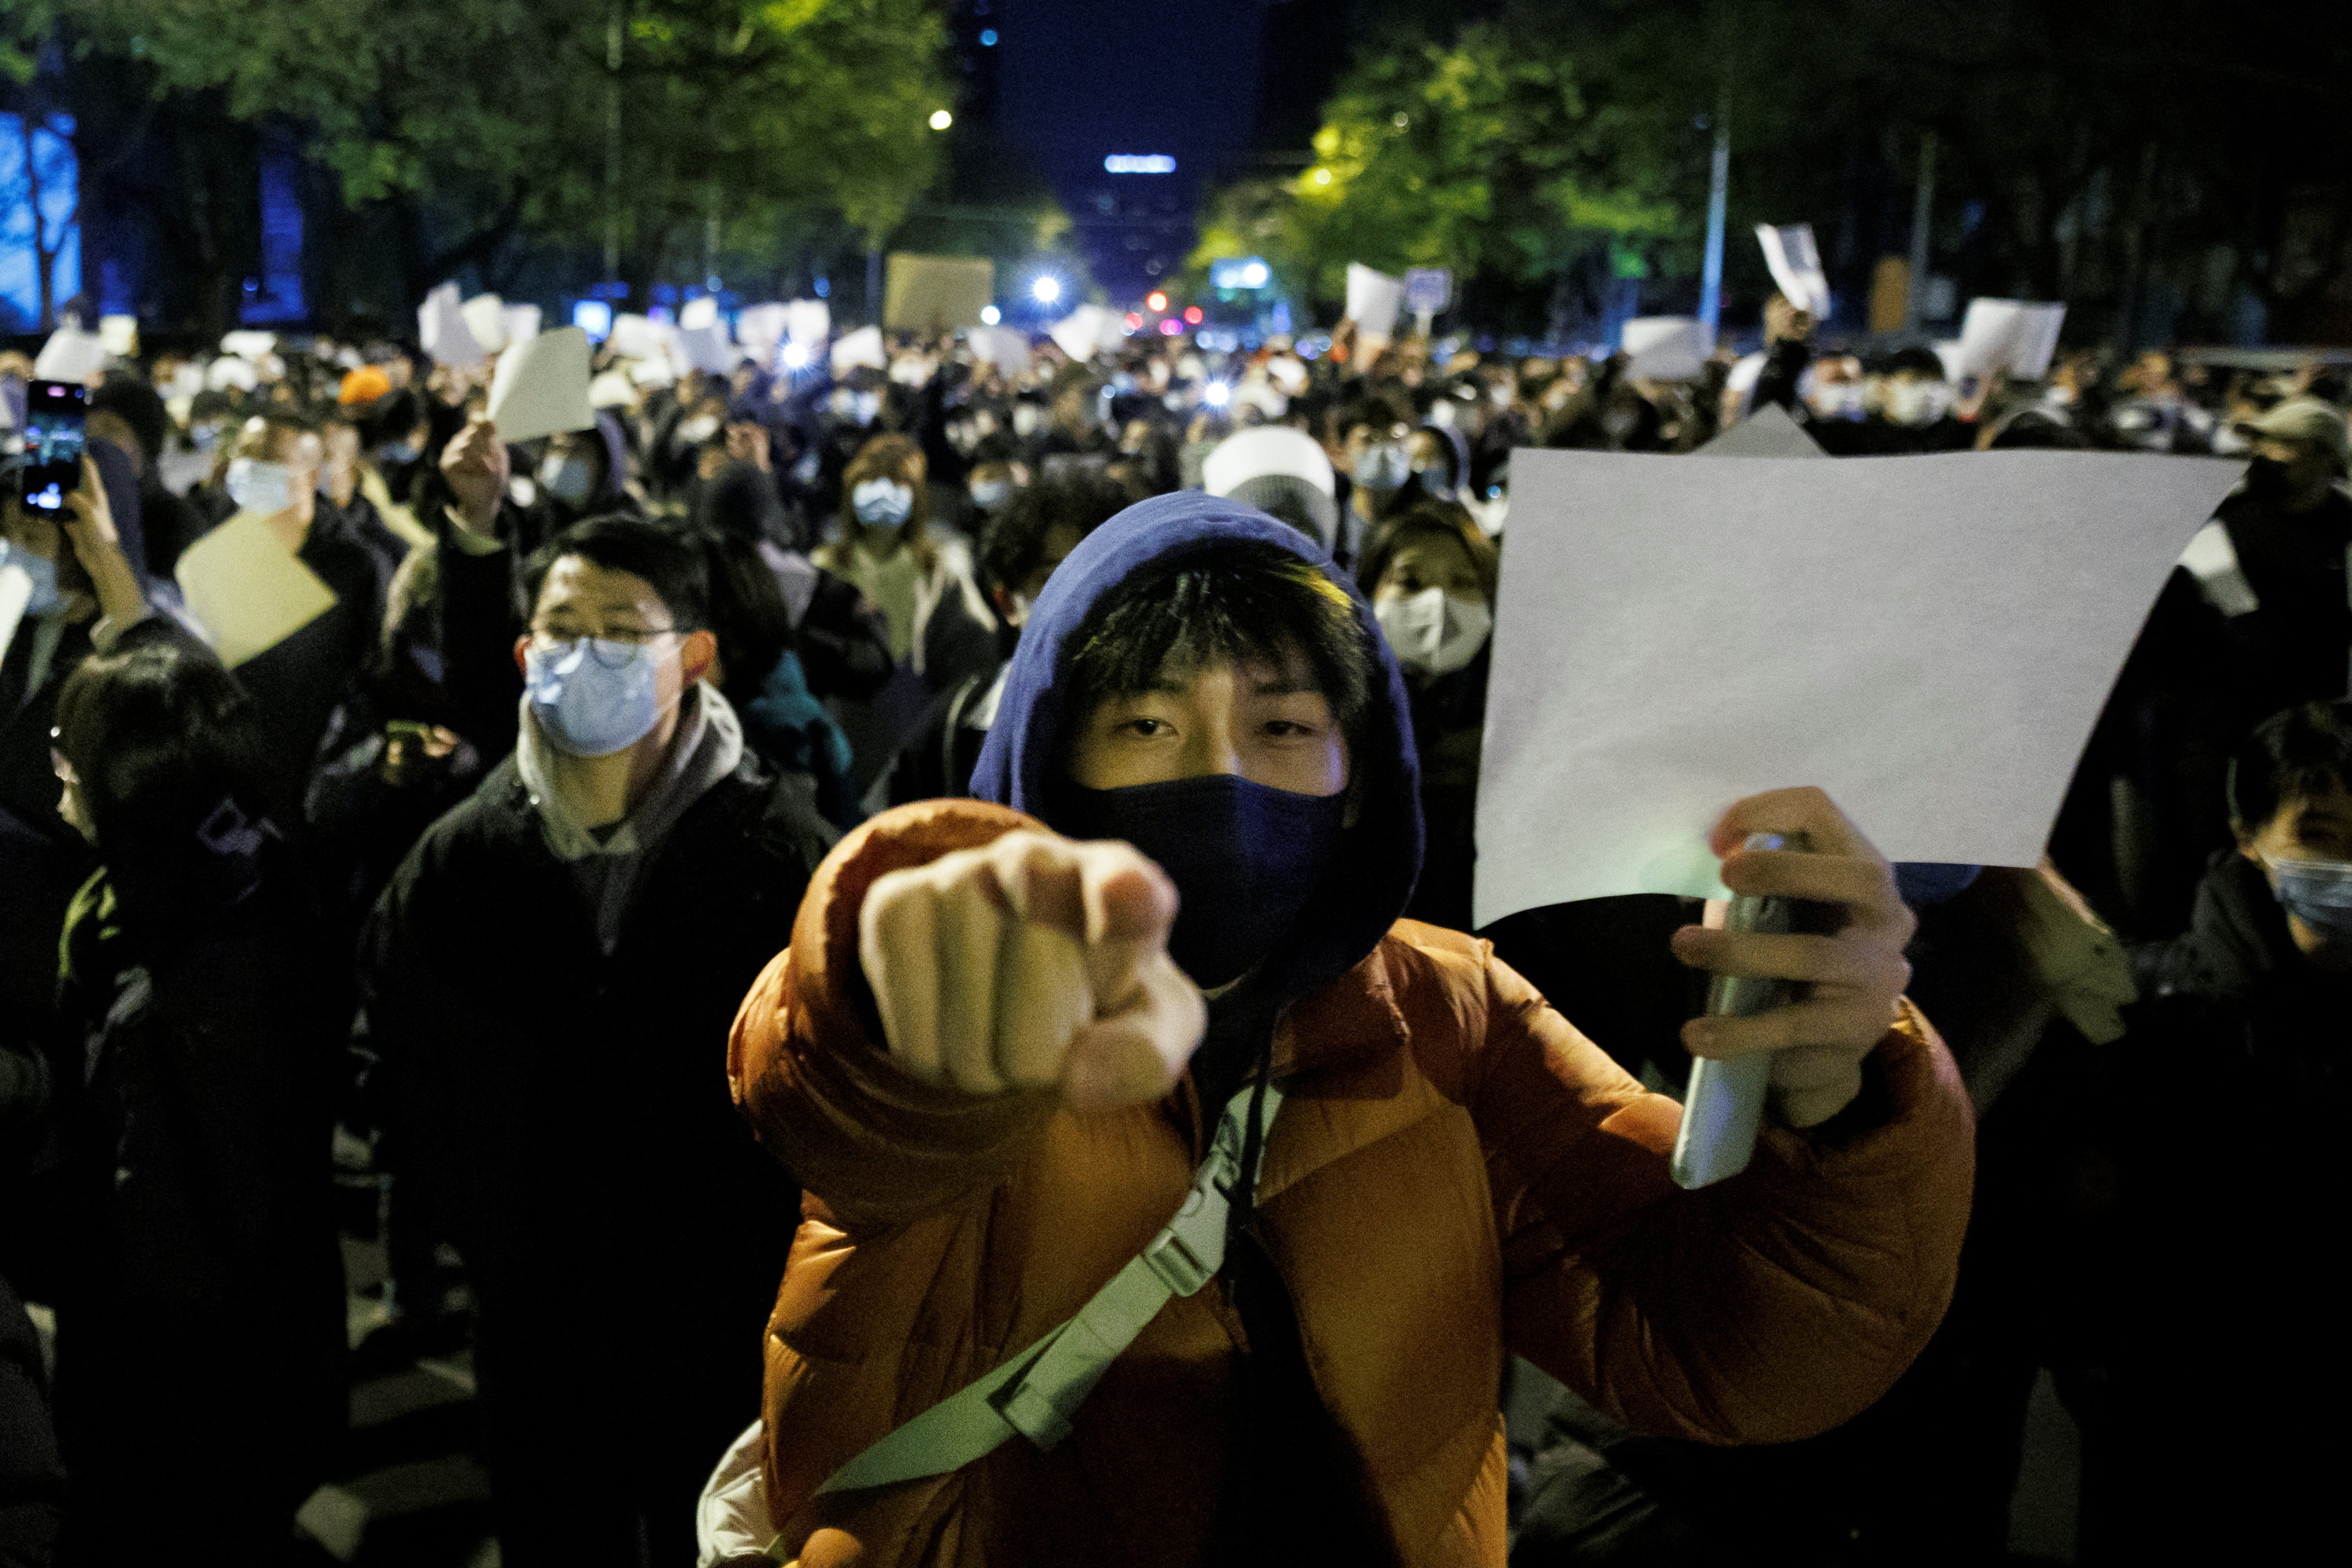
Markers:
point(1035, 1391)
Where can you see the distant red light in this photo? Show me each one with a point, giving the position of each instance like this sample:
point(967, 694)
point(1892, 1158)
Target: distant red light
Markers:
point(1134, 321)
point(1155, 301)
point(1193, 315)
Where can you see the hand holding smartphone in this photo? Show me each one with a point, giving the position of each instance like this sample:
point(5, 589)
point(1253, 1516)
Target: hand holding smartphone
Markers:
point(1725, 1105)
point(56, 413)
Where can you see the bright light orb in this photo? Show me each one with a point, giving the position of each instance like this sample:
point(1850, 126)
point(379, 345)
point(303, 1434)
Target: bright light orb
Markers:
point(795, 356)
point(1046, 289)
point(1216, 394)
point(942, 120)
point(1254, 276)
point(990, 315)
point(1155, 301)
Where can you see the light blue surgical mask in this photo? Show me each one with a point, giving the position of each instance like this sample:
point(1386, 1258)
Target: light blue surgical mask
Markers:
point(2316, 892)
point(40, 569)
point(397, 453)
point(567, 478)
point(593, 696)
point(990, 494)
point(882, 503)
point(1381, 466)
point(260, 487)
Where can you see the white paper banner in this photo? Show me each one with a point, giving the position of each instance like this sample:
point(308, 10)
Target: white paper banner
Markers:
point(1796, 265)
point(2014, 335)
point(485, 317)
point(1082, 333)
point(1929, 639)
point(639, 337)
point(70, 354)
point(442, 328)
point(860, 348)
point(808, 321)
point(1664, 348)
point(541, 386)
point(1373, 299)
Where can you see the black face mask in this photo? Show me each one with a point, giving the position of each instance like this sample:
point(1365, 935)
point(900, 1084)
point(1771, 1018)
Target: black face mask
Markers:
point(1245, 860)
point(2266, 478)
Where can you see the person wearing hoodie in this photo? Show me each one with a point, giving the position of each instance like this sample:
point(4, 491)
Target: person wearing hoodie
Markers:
point(2250, 1006)
point(540, 987)
point(201, 1007)
point(1003, 1040)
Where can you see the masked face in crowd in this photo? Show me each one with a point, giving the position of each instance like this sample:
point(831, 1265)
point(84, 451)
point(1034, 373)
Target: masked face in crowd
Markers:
point(1432, 607)
point(275, 474)
point(1912, 400)
point(2305, 851)
point(1376, 458)
point(1232, 777)
point(573, 469)
point(882, 502)
point(605, 661)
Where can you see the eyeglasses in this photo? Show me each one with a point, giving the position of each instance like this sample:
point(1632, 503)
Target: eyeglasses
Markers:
point(600, 643)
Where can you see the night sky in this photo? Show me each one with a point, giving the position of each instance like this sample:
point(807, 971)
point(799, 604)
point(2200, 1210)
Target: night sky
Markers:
point(1212, 83)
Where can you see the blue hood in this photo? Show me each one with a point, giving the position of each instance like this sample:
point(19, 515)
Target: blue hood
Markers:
point(1371, 876)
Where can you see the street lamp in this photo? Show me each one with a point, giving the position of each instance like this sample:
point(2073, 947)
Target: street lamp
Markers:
point(1046, 289)
point(942, 120)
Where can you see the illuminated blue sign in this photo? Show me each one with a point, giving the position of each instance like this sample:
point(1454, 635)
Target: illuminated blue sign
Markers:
point(1138, 163)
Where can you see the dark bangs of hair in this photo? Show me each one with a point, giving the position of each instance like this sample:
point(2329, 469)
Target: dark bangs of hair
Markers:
point(2291, 756)
point(1234, 602)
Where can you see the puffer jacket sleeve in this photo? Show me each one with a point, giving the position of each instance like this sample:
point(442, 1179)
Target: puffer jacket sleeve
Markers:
point(1765, 1308)
point(811, 1071)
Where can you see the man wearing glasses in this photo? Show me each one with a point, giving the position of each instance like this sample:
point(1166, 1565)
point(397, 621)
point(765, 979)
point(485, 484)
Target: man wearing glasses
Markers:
point(546, 984)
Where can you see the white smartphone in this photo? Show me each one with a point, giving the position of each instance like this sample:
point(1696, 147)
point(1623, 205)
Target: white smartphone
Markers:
point(1725, 1104)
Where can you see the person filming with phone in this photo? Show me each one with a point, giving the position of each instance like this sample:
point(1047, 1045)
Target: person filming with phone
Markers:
point(1162, 950)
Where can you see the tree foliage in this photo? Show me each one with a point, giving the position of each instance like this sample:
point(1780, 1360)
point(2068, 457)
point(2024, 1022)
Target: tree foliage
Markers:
point(493, 113)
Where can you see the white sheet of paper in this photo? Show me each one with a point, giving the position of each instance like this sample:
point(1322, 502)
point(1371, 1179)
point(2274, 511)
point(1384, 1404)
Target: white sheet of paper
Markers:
point(247, 589)
point(860, 348)
point(230, 371)
point(1769, 432)
point(485, 317)
point(1373, 301)
point(70, 354)
point(703, 348)
point(1929, 639)
point(2016, 335)
point(119, 334)
point(1796, 264)
point(1664, 348)
point(1006, 348)
point(760, 327)
point(638, 337)
point(521, 323)
point(247, 345)
point(808, 321)
point(541, 386)
point(441, 328)
point(699, 311)
point(1082, 333)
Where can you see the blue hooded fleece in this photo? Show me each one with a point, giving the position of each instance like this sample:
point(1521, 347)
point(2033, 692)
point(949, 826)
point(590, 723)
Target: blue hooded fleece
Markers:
point(1371, 874)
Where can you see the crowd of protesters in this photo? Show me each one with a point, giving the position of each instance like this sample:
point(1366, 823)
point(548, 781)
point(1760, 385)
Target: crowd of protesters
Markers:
point(479, 865)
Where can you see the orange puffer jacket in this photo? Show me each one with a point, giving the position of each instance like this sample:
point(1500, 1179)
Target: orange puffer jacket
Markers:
point(1456, 1175)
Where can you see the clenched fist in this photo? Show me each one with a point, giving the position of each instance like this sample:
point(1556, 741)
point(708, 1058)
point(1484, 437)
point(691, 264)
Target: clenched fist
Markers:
point(1033, 962)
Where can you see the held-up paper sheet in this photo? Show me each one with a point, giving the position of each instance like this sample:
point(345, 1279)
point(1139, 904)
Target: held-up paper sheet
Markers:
point(247, 589)
point(1929, 639)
